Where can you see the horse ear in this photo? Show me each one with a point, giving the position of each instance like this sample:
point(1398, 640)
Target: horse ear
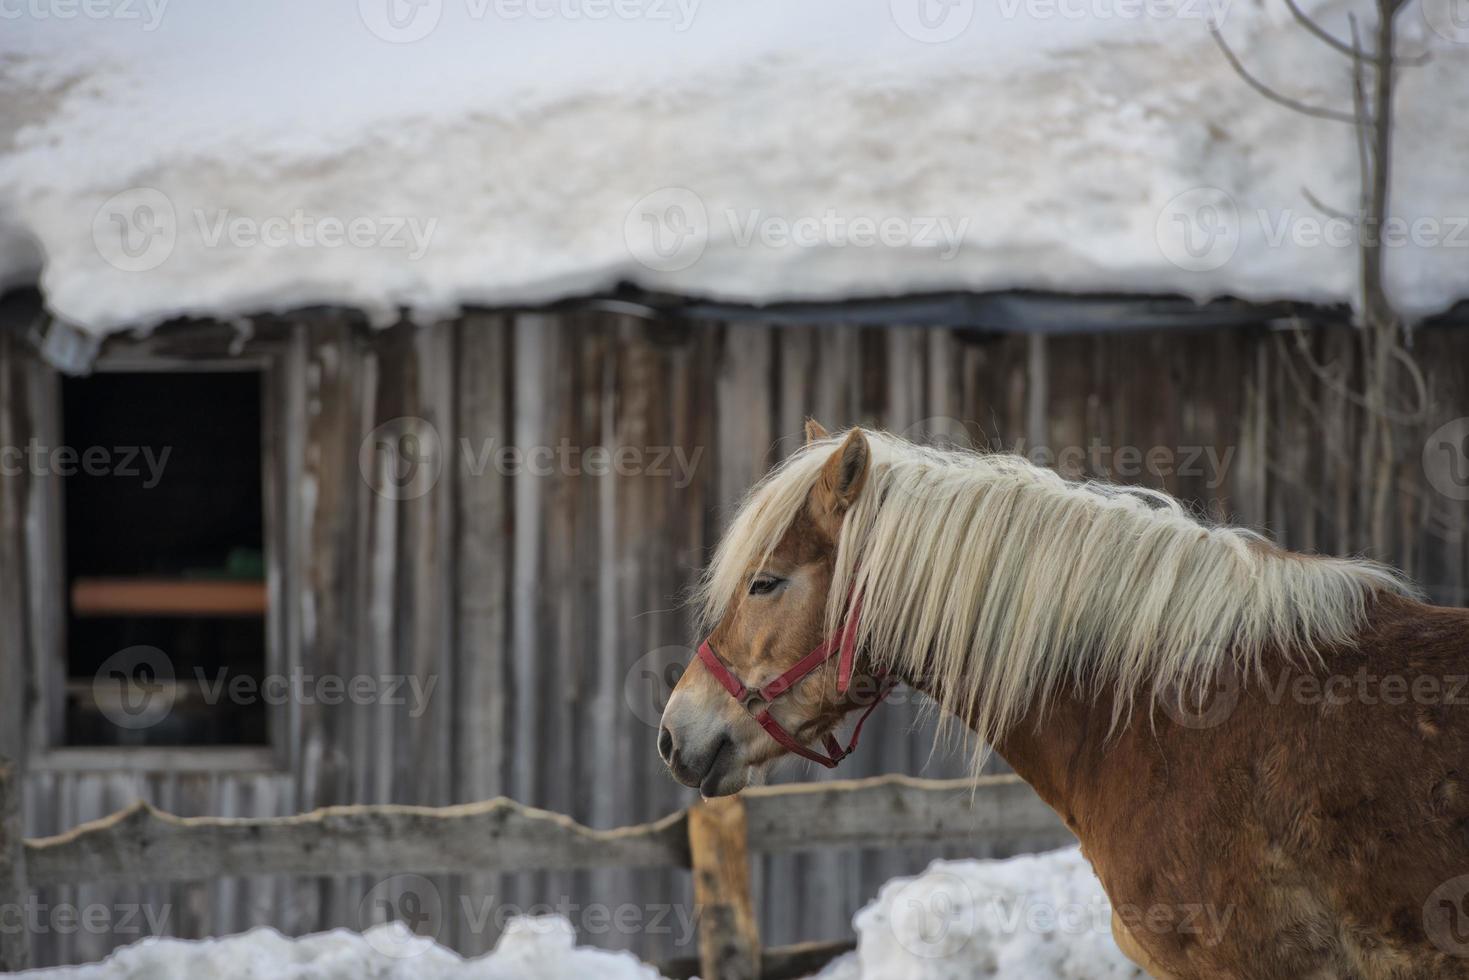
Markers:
point(845, 473)
point(815, 431)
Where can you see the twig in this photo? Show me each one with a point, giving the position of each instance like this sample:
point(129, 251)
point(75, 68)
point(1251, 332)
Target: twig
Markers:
point(1293, 104)
point(1348, 49)
point(1330, 212)
point(1335, 384)
point(1359, 109)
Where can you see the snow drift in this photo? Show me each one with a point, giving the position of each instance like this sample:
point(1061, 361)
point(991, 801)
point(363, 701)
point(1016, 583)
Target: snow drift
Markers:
point(161, 158)
point(532, 948)
point(1039, 917)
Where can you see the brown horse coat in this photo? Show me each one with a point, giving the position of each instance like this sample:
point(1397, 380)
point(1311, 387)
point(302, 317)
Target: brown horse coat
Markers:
point(1318, 828)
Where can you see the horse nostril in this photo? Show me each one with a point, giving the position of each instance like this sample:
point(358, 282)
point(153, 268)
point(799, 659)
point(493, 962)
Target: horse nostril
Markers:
point(665, 745)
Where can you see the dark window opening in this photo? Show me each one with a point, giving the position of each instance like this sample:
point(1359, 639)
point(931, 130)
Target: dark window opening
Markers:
point(166, 631)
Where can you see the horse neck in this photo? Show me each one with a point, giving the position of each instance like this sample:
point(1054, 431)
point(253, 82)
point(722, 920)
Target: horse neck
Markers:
point(1057, 750)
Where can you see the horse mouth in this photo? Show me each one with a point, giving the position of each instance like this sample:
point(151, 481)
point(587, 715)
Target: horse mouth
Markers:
point(713, 773)
point(721, 767)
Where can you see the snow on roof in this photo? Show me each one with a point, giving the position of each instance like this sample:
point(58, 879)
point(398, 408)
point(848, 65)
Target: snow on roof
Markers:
point(183, 157)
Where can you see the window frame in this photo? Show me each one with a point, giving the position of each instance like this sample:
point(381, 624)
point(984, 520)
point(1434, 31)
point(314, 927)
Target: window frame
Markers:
point(278, 365)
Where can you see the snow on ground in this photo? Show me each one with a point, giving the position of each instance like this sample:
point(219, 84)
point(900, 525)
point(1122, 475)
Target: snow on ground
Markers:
point(1038, 917)
point(1042, 917)
point(540, 948)
point(164, 157)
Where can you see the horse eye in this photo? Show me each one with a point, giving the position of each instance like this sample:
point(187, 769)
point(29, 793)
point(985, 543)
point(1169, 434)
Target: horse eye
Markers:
point(764, 584)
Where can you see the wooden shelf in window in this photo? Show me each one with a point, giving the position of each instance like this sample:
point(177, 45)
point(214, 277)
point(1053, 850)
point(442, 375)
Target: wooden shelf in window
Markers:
point(166, 597)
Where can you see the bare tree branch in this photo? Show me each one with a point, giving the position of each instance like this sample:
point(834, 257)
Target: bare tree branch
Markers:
point(1335, 382)
point(1394, 394)
point(1349, 50)
point(1293, 104)
point(1330, 212)
point(1359, 109)
point(1375, 303)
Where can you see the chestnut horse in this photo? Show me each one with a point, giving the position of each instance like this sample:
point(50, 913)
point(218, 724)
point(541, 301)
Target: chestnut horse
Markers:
point(1308, 819)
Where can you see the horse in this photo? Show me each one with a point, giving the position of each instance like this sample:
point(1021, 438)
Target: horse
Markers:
point(1264, 754)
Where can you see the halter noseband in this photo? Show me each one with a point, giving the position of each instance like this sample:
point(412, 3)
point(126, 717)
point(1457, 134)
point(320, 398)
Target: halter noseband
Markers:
point(758, 701)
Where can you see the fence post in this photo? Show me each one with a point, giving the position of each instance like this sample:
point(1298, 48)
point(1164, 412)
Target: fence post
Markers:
point(729, 939)
point(14, 890)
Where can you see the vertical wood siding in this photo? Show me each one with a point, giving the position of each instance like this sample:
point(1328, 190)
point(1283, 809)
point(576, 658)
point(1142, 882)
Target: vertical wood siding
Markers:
point(545, 604)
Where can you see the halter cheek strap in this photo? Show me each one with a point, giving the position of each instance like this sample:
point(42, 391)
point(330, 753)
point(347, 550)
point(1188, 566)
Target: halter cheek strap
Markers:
point(758, 701)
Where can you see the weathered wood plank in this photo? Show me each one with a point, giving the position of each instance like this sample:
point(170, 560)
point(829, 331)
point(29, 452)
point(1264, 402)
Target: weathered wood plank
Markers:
point(14, 887)
point(17, 691)
point(500, 835)
point(890, 811)
point(729, 940)
point(143, 843)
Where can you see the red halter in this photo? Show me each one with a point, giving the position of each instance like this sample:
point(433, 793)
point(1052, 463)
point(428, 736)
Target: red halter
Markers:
point(758, 702)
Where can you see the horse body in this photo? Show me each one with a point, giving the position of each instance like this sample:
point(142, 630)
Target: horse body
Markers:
point(1311, 821)
point(1301, 835)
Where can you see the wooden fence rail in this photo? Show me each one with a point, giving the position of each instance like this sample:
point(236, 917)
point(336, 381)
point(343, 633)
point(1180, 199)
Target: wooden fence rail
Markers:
point(713, 839)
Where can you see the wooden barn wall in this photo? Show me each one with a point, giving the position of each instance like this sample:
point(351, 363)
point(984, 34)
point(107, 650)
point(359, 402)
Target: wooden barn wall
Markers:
point(546, 606)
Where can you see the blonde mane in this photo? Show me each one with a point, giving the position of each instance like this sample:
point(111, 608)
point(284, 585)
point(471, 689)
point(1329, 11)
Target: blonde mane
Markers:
point(1001, 582)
